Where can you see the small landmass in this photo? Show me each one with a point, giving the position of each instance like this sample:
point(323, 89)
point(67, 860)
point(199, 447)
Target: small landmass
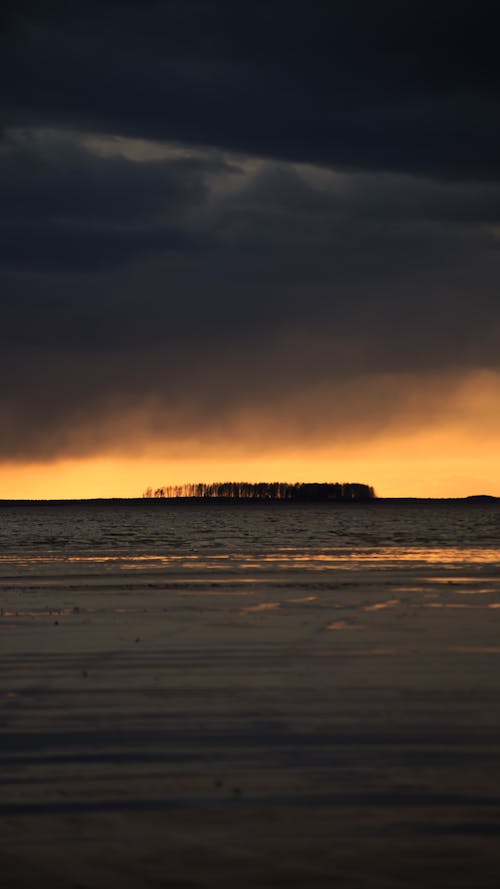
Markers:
point(481, 498)
point(300, 491)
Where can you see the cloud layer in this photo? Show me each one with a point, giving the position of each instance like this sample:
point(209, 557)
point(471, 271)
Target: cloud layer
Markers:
point(383, 86)
point(259, 226)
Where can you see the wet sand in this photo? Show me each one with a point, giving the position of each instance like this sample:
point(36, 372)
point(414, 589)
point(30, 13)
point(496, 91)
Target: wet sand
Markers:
point(293, 721)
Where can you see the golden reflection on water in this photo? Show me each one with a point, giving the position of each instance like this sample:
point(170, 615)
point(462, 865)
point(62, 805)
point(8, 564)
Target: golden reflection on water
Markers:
point(282, 558)
point(450, 605)
point(454, 580)
point(235, 568)
point(303, 600)
point(344, 625)
point(261, 606)
point(436, 555)
point(379, 606)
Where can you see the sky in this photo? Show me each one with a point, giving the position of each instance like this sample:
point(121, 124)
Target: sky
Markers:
point(251, 242)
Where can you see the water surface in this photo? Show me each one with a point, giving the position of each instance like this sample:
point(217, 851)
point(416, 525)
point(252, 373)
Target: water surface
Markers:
point(330, 665)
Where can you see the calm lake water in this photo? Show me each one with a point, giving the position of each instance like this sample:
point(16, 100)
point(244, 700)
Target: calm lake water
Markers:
point(298, 681)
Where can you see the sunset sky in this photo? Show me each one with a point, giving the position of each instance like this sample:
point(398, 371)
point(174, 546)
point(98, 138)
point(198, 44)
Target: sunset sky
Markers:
point(249, 241)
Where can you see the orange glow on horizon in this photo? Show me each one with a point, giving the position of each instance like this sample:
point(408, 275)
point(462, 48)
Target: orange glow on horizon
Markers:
point(431, 465)
point(454, 453)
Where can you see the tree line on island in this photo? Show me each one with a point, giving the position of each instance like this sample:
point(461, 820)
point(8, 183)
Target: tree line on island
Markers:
point(339, 491)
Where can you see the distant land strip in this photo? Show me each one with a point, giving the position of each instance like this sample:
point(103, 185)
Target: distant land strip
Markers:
point(89, 502)
point(310, 491)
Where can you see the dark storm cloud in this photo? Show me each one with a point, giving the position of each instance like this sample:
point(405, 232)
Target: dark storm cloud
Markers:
point(63, 206)
point(211, 212)
point(388, 85)
point(299, 280)
point(225, 251)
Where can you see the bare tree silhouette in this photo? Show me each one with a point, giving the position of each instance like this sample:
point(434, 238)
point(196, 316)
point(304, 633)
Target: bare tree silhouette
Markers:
point(300, 491)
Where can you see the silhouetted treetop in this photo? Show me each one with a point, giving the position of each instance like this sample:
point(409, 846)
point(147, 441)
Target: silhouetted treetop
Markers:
point(310, 491)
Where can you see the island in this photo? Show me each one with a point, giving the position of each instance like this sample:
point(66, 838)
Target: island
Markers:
point(299, 491)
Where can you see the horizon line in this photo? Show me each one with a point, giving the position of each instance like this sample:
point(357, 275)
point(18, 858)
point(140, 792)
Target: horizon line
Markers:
point(141, 498)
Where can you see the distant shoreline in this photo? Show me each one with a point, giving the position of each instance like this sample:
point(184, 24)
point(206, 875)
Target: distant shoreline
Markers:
point(159, 502)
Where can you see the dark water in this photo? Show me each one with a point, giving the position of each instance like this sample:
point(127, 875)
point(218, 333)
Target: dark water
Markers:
point(169, 530)
point(329, 672)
